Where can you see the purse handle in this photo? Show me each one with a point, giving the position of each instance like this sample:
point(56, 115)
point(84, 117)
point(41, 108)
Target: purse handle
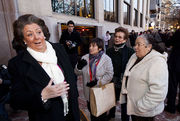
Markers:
point(102, 86)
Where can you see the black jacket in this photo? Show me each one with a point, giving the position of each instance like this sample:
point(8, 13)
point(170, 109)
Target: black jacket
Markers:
point(119, 59)
point(132, 38)
point(6, 82)
point(28, 80)
point(74, 37)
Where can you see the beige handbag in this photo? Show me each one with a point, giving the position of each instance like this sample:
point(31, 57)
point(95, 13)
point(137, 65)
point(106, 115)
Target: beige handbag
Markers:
point(102, 99)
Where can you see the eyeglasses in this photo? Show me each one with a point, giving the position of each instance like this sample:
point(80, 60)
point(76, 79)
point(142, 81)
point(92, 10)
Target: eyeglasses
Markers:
point(120, 37)
point(139, 44)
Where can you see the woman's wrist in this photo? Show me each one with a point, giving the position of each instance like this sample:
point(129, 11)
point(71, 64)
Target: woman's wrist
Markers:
point(44, 100)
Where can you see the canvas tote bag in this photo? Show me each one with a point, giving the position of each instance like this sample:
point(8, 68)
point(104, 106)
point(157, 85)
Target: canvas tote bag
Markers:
point(102, 99)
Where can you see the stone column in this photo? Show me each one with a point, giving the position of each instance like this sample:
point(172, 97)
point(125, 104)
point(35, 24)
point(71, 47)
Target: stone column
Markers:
point(132, 15)
point(144, 13)
point(120, 12)
point(99, 10)
point(148, 16)
point(138, 9)
point(99, 16)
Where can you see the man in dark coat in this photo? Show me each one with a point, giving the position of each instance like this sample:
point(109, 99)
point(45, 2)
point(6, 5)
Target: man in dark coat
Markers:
point(70, 39)
point(119, 55)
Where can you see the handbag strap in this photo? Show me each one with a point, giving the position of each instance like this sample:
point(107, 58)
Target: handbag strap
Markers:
point(102, 86)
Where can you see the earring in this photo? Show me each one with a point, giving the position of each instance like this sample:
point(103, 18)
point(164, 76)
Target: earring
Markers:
point(44, 37)
point(25, 43)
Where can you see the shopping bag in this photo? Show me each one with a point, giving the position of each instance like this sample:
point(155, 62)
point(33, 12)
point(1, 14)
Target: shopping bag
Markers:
point(102, 99)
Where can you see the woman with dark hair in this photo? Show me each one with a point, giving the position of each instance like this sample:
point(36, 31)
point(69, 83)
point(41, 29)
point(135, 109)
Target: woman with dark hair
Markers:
point(119, 54)
point(43, 82)
point(174, 71)
point(145, 81)
point(95, 67)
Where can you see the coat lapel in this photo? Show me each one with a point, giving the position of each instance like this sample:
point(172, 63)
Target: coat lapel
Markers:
point(35, 71)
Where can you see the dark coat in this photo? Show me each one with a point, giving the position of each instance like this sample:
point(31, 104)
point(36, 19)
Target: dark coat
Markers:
point(119, 59)
point(28, 81)
point(132, 38)
point(174, 71)
point(74, 37)
point(174, 59)
point(6, 82)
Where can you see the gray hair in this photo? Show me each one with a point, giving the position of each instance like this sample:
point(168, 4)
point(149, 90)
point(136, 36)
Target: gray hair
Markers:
point(146, 38)
point(149, 39)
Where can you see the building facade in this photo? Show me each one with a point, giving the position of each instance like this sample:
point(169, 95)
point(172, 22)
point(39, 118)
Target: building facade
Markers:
point(101, 15)
point(159, 11)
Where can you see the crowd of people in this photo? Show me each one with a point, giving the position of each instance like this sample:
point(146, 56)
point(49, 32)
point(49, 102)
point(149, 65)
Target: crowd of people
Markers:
point(42, 78)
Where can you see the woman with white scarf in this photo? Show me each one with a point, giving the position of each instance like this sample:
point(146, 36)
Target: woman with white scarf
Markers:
point(43, 82)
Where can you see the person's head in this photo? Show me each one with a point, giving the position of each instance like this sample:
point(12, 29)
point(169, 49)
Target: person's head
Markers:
point(145, 32)
point(70, 25)
point(132, 31)
point(140, 33)
point(159, 31)
point(31, 31)
point(166, 31)
point(121, 35)
point(107, 32)
point(96, 45)
point(144, 44)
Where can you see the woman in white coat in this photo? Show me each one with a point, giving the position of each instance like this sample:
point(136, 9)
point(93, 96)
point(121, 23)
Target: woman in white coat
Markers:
point(145, 80)
point(95, 67)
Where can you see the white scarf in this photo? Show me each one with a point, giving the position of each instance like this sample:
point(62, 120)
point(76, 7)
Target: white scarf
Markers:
point(49, 64)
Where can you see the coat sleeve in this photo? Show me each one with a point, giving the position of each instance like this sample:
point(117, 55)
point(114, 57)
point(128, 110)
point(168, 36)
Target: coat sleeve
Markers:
point(22, 97)
point(158, 86)
point(77, 71)
point(80, 72)
point(108, 72)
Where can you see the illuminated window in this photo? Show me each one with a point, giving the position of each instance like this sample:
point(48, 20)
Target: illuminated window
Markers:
point(83, 8)
point(110, 10)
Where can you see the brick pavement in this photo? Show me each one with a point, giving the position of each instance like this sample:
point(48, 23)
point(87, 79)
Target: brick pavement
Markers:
point(22, 115)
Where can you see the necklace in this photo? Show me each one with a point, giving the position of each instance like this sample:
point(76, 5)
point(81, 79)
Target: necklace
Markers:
point(117, 48)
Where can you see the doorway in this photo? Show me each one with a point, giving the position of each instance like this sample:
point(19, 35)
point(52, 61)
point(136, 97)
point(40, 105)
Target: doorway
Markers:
point(87, 33)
